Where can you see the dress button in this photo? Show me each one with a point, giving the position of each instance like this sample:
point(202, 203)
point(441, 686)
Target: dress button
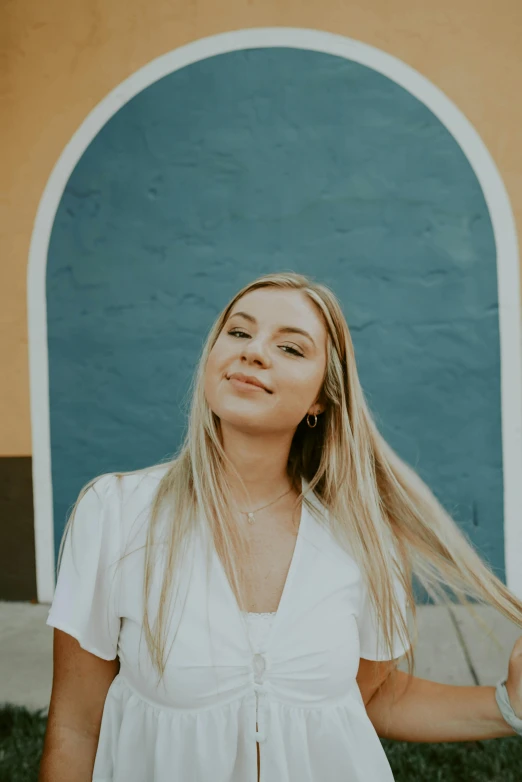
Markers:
point(259, 664)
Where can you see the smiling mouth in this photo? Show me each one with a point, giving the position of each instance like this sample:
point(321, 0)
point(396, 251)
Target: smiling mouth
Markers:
point(242, 385)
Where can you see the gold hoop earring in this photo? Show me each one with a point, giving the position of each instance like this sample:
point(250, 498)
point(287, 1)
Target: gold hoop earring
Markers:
point(312, 426)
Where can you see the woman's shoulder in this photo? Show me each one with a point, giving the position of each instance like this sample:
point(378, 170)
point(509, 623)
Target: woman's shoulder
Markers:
point(134, 485)
point(125, 500)
point(126, 495)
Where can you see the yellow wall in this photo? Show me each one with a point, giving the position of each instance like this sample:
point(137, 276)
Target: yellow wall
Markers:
point(61, 58)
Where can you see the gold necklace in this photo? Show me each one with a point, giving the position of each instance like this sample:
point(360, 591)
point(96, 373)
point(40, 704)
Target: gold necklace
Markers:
point(250, 514)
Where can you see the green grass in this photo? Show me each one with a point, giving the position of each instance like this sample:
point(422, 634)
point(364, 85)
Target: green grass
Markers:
point(21, 740)
point(496, 760)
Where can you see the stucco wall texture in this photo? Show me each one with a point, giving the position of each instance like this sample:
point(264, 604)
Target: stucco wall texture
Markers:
point(223, 170)
point(61, 59)
point(256, 161)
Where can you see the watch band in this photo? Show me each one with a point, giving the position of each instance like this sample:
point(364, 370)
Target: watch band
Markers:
point(502, 698)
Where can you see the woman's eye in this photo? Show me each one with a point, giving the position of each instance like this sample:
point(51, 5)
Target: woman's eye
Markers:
point(236, 332)
point(292, 350)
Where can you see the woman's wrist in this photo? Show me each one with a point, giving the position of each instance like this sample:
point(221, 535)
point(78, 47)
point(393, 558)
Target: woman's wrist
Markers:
point(505, 706)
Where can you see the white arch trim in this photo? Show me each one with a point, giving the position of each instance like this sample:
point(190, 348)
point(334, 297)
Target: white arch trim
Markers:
point(479, 158)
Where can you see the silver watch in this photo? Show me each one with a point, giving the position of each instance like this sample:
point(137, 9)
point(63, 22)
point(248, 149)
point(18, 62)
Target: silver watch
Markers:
point(502, 698)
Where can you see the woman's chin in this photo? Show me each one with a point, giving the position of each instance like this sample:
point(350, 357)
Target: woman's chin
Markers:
point(246, 421)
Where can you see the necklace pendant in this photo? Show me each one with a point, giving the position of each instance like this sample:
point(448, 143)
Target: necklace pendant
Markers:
point(251, 518)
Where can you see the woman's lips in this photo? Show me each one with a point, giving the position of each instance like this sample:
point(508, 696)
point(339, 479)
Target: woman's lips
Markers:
point(241, 386)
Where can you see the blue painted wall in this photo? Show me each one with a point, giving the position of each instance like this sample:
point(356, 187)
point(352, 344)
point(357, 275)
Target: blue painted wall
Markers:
point(267, 160)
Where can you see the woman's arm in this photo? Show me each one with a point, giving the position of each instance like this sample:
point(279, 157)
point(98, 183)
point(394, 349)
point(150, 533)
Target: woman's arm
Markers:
point(80, 684)
point(428, 711)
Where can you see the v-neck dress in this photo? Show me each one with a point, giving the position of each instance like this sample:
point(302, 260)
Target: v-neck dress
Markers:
point(297, 682)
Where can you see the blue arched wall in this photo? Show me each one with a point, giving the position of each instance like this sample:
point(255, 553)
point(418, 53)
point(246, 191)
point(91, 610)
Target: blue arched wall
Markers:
point(264, 160)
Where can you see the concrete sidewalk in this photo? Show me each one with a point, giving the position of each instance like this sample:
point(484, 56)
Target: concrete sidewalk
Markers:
point(452, 648)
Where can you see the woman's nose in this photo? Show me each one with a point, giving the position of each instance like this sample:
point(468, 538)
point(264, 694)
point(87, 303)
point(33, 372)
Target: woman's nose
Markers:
point(255, 349)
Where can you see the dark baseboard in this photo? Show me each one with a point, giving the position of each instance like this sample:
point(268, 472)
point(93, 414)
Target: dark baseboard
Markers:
point(17, 551)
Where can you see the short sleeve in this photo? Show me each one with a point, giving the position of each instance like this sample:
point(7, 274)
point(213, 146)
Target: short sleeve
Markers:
point(85, 602)
point(372, 647)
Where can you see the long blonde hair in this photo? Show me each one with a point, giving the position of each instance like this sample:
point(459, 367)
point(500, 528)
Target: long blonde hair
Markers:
point(370, 494)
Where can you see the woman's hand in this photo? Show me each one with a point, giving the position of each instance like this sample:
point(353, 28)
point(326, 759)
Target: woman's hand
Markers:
point(514, 679)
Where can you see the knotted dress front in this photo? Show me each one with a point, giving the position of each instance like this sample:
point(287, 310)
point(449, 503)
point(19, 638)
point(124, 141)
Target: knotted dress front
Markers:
point(199, 723)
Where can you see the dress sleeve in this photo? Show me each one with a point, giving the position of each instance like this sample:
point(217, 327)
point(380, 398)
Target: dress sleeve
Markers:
point(371, 647)
point(85, 603)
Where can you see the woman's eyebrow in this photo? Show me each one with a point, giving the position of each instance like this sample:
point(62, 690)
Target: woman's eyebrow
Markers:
point(280, 330)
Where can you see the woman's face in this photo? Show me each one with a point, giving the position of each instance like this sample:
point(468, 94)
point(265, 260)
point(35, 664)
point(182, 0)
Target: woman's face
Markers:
point(261, 343)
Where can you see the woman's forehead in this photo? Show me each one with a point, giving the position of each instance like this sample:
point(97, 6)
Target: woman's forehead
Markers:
point(267, 304)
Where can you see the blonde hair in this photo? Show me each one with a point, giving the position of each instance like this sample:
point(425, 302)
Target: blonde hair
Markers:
point(371, 496)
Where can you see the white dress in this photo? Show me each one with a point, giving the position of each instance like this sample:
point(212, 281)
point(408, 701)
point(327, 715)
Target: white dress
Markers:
point(199, 723)
point(259, 625)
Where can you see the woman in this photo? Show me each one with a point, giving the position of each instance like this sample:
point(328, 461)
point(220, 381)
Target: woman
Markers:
point(268, 567)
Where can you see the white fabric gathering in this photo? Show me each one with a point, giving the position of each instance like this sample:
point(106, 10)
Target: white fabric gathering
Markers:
point(292, 674)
